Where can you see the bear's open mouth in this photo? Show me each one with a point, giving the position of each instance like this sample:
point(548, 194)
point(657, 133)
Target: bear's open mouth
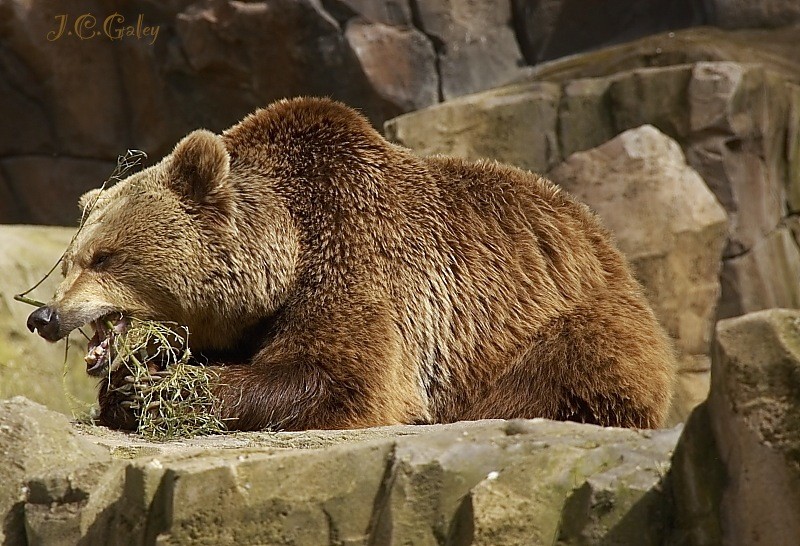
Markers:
point(99, 356)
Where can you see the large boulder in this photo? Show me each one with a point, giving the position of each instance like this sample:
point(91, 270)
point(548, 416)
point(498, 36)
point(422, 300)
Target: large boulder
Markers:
point(33, 441)
point(410, 80)
point(671, 228)
point(29, 366)
point(736, 470)
point(486, 482)
point(515, 124)
point(755, 416)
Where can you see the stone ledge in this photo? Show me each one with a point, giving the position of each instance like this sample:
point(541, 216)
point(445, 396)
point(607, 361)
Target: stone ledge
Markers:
point(485, 482)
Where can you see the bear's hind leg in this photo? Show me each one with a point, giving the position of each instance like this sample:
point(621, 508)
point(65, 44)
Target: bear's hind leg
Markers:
point(609, 364)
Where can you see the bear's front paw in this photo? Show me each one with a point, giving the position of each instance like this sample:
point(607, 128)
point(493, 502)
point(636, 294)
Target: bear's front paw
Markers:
point(128, 401)
point(141, 394)
point(161, 404)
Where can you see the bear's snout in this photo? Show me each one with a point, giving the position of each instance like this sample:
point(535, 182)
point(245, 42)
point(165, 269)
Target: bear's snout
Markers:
point(45, 321)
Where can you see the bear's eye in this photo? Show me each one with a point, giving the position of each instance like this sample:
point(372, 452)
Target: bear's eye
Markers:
point(100, 259)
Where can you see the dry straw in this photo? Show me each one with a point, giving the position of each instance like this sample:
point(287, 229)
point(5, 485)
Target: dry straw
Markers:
point(173, 398)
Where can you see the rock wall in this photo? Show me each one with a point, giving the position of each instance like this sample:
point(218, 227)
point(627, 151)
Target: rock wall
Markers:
point(75, 99)
point(737, 465)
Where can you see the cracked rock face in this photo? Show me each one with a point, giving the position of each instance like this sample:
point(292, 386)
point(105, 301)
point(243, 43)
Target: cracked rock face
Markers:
point(737, 465)
point(755, 415)
point(488, 482)
point(75, 105)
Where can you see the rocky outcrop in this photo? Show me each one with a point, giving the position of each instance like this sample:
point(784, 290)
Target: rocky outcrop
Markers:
point(745, 14)
point(410, 81)
point(732, 477)
point(475, 43)
point(78, 97)
point(28, 366)
point(755, 416)
point(737, 467)
point(671, 228)
point(34, 441)
point(489, 482)
point(549, 29)
point(142, 74)
point(515, 124)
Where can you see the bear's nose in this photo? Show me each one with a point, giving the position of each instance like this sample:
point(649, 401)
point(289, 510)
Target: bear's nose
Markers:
point(45, 321)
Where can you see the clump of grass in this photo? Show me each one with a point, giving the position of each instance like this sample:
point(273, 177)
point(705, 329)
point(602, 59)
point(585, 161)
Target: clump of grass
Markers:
point(172, 397)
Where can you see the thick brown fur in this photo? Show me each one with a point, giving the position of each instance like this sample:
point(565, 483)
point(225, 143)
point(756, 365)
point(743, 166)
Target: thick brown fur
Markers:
point(335, 280)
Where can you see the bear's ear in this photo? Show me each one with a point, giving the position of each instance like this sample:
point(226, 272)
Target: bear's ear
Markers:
point(88, 199)
point(199, 164)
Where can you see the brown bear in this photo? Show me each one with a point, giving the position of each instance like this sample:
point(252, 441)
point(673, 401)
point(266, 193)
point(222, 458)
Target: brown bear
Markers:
point(335, 280)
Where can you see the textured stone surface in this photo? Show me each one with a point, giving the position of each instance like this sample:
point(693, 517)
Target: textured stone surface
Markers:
point(773, 49)
point(749, 14)
point(655, 96)
point(409, 81)
point(29, 366)
point(34, 440)
point(550, 29)
point(388, 12)
point(738, 121)
point(585, 115)
point(755, 415)
point(74, 105)
point(477, 47)
point(737, 466)
point(670, 227)
point(793, 148)
point(765, 277)
point(486, 482)
point(516, 124)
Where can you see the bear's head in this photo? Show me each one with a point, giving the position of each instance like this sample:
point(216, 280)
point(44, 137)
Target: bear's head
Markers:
point(185, 241)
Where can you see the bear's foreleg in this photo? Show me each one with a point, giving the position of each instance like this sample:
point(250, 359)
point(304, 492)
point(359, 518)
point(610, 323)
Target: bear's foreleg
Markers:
point(285, 396)
point(335, 375)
